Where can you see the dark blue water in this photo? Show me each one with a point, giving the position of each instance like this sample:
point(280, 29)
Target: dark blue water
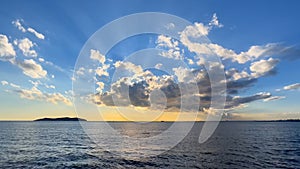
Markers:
point(233, 145)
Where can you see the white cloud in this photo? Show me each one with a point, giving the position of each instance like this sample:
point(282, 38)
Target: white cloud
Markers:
point(80, 71)
point(292, 87)
point(32, 69)
point(166, 41)
point(102, 71)
point(170, 26)
point(14, 85)
point(96, 55)
point(3, 82)
point(25, 45)
point(158, 66)
point(263, 67)
point(192, 33)
point(35, 94)
point(49, 86)
point(183, 74)
point(128, 66)
point(215, 22)
point(7, 51)
point(273, 98)
point(18, 24)
point(56, 98)
point(190, 61)
point(37, 34)
point(173, 51)
point(234, 74)
point(100, 87)
point(41, 60)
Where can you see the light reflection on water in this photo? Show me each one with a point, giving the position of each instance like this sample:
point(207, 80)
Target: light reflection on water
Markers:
point(233, 145)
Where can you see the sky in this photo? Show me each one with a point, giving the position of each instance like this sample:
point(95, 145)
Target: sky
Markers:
point(257, 43)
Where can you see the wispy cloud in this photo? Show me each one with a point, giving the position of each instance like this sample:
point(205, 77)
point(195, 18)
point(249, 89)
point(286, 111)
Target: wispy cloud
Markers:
point(34, 93)
point(292, 87)
point(18, 24)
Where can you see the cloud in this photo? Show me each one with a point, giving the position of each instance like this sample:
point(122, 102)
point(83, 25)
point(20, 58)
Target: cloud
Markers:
point(172, 49)
point(170, 26)
point(17, 23)
point(100, 87)
point(134, 85)
point(36, 94)
point(234, 74)
point(41, 60)
point(32, 69)
point(193, 34)
point(215, 22)
point(80, 71)
point(263, 67)
point(37, 34)
point(184, 74)
point(26, 45)
point(3, 82)
point(102, 70)
point(274, 98)
point(158, 66)
point(14, 85)
point(128, 67)
point(96, 55)
point(7, 51)
point(233, 102)
point(292, 87)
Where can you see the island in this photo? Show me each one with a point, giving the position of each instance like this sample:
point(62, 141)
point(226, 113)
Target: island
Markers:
point(61, 119)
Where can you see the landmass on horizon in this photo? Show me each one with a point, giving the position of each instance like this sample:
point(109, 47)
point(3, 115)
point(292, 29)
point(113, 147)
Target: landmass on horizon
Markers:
point(81, 119)
point(61, 119)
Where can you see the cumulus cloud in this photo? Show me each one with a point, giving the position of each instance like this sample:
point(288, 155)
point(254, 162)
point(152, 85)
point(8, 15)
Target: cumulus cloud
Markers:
point(26, 45)
point(96, 55)
point(183, 74)
point(134, 86)
point(31, 69)
point(292, 87)
point(234, 74)
point(100, 87)
point(128, 67)
point(173, 51)
point(7, 51)
point(102, 70)
point(263, 67)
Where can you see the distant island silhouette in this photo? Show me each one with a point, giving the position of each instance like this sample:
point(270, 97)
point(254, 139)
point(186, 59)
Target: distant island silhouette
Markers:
point(61, 119)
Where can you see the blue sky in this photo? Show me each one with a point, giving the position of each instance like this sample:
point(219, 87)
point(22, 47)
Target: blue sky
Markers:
point(59, 29)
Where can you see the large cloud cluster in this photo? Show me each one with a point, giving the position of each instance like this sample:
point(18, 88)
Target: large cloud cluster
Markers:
point(136, 86)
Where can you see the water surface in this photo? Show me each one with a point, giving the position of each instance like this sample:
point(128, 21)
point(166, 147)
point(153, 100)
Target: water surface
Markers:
point(233, 145)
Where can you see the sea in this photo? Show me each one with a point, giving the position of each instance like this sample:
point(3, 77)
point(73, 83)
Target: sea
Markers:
point(67, 145)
